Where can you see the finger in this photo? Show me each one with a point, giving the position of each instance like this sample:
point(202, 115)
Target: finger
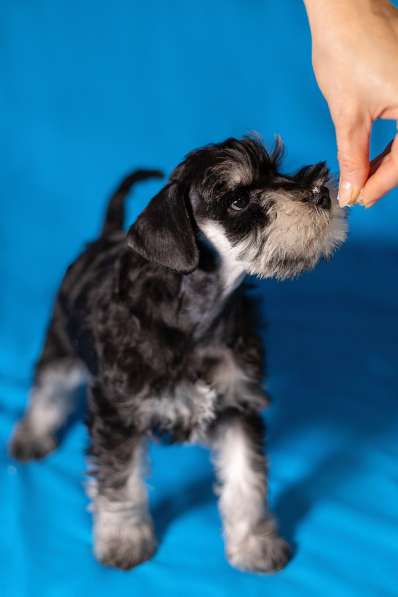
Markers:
point(352, 136)
point(384, 178)
point(375, 163)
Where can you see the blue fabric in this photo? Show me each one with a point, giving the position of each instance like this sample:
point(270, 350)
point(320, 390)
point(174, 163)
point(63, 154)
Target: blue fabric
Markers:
point(90, 90)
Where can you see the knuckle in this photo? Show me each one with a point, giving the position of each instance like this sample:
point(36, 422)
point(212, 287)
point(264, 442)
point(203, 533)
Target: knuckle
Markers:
point(352, 127)
point(350, 164)
point(347, 115)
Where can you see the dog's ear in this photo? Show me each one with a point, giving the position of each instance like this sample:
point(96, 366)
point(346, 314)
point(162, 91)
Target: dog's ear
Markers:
point(164, 234)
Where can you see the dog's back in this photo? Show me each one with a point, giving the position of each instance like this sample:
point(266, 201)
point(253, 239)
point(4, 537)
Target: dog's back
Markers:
point(87, 277)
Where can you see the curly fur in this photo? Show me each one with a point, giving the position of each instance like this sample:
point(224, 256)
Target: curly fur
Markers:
point(159, 320)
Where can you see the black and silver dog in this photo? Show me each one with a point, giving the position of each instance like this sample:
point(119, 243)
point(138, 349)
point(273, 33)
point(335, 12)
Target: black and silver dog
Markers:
point(159, 321)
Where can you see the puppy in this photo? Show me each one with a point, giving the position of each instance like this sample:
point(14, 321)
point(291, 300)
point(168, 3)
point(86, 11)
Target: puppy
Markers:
point(159, 323)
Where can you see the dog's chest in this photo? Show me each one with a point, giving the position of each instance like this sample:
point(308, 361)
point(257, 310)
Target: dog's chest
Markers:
point(186, 408)
point(180, 413)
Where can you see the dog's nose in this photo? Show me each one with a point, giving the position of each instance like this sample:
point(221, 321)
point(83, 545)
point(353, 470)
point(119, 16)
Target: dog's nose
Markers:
point(320, 197)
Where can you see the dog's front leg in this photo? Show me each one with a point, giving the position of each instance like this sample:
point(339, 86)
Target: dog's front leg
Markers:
point(252, 541)
point(123, 530)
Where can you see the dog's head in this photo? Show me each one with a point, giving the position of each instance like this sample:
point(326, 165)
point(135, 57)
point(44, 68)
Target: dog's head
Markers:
point(271, 224)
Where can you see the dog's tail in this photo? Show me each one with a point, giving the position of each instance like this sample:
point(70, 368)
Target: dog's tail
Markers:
point(114, 217)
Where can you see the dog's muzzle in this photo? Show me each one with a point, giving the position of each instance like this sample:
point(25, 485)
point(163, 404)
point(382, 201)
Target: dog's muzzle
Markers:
point(320, 197)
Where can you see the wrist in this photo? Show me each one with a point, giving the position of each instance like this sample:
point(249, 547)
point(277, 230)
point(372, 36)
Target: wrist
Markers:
point(344, 14)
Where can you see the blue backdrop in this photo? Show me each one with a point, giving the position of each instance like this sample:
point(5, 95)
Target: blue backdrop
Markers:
point(90, 90)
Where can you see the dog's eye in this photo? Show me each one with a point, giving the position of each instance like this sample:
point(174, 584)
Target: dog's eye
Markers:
point(239, 204)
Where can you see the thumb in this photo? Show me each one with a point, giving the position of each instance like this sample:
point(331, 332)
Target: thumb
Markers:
point(384, 175)
point(352, 135)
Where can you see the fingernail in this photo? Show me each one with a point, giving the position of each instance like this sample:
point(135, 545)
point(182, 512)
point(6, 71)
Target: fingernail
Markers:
point(347, 194)
point(364, 202)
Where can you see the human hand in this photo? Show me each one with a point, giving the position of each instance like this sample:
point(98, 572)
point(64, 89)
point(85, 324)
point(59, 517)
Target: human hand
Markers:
point(355, 60)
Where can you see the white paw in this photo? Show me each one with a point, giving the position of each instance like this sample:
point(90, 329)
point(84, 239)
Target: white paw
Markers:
point(261, 550)
point(27, 445)
point(124, 545)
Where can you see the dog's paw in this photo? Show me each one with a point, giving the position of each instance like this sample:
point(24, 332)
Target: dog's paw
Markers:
point(124, 546)
point(26, 445)
point(260, 551)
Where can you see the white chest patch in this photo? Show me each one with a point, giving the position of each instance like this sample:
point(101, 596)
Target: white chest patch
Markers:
point(232, 268)
point(190, 408)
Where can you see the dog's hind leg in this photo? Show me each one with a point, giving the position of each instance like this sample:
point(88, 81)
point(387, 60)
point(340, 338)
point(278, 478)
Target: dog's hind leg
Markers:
point(58, 373)
point(252, 541)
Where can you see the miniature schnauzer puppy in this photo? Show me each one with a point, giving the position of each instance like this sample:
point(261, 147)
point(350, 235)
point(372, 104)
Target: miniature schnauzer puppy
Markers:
point(159, 321)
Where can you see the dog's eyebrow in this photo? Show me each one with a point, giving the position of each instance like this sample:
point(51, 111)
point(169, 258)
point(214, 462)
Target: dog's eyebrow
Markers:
point(284, 182)
point(258, 185)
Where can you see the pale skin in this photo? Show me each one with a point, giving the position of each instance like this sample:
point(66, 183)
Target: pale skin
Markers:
point(355, 60)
